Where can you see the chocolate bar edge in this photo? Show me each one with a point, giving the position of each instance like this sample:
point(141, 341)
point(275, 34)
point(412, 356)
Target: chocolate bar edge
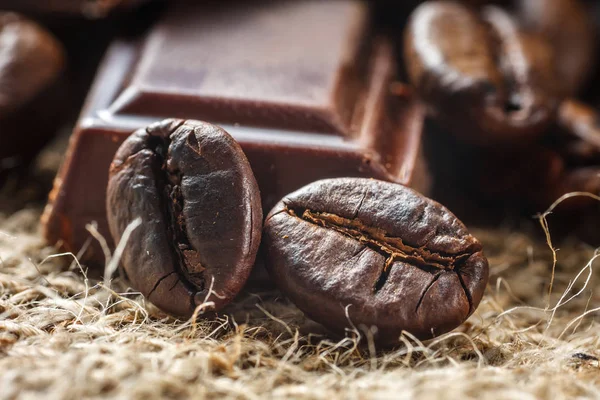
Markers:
point(95, 122)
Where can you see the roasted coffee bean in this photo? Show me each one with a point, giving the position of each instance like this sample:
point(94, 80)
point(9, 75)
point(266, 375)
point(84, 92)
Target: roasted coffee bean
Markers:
point(193, 188)
point(579, 144)
point(582, 180)
point(479, 74)
point(528, 178)
point(87, 8)
point(394, 258)
point(579, 133)
point(569, 29)
point(31, 63)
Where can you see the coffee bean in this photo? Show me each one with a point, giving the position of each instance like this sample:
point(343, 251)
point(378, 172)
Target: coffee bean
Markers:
point(397, 259)
point(489, 82)
point(568, 28)
point(578, 135)
point(193, 188)
point(32, 62)
point(527, 179)
point(586, 180)
point(577, 140)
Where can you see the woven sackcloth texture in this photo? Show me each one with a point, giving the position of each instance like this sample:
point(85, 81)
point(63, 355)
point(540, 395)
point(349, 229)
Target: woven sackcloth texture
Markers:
point(63, 335)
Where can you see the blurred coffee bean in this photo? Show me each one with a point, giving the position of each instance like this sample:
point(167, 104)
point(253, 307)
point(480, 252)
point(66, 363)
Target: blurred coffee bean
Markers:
point(86, 8)
point(568, 28)
point(31, 97)
point(489, 82)
point(578, 133)
point(526, 178)
point(586, 180)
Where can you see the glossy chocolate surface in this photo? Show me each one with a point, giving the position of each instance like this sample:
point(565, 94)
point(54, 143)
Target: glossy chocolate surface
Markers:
point(301, 85)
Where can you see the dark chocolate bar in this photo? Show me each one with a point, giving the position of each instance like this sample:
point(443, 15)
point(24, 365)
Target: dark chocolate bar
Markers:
point(301, 85)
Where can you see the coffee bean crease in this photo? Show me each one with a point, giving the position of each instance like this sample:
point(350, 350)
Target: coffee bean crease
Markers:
point(194, 189)
point(392, 248)
point(388, 255)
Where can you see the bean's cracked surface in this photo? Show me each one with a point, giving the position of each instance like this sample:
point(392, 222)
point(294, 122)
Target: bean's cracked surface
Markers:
point(400, 261)
point(201, 214)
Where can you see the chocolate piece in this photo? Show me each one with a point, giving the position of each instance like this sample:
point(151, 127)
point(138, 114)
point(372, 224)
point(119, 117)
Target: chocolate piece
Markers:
point(396, 259)
point(31, 64)
point(88, 8)
point(201, 217)
point(301, 85)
